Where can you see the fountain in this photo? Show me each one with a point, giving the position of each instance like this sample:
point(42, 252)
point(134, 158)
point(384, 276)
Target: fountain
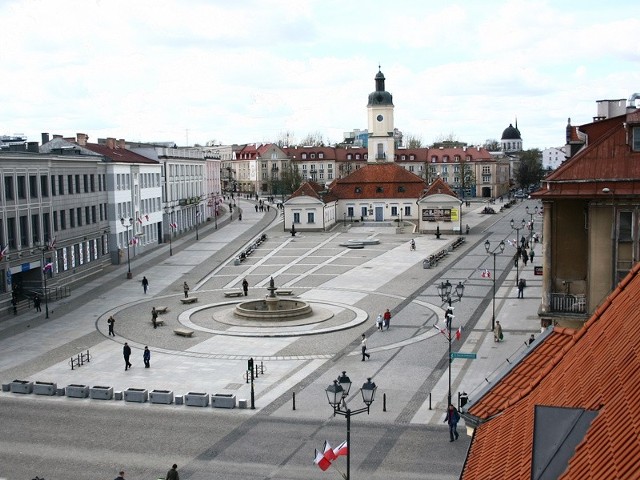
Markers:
point(273, 307)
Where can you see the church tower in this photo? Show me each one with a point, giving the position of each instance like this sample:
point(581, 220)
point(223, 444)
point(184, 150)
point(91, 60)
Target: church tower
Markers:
point(380, 121)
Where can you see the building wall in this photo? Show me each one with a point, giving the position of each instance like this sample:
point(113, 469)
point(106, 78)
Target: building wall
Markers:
point(600, 253)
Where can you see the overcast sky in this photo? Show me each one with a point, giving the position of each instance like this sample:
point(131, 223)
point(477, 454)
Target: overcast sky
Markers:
point(250, 70)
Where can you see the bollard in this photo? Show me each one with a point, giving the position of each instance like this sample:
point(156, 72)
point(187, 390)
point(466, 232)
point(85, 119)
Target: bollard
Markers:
point(261, 368)
point(429, 400)
point(384, 402)
point(294, 400)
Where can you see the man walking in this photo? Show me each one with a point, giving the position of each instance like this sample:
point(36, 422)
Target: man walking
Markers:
point(387, 319)
point(521, 284)
point(452, 418)
point(185, 287)
point(146, 357)
point(363, 345)
point(154, 317)
point(245, 287)
point(111, 321)
point(36, 302)
point(173, 473)
point(126, 353)
point(145, 284)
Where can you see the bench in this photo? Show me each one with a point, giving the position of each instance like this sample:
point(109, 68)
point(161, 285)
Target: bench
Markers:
point(284, 292)
point(162, 309)
point(189, 300)
point(183, 332)
point(457, 242)
point(159, 322)
point(233, 294)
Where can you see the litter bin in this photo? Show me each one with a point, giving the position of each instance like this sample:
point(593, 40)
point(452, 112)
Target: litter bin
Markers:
point(463, 398)
point(426, 263)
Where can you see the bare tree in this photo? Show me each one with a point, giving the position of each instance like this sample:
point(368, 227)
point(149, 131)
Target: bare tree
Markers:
point(315, 139)
point(448, 141)
point(491, 144)
point(412, 141)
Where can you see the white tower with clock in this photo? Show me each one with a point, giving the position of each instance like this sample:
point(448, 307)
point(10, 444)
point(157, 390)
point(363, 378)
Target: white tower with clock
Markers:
point(380, 111)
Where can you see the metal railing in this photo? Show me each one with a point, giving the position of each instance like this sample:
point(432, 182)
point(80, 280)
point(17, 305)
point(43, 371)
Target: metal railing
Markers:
point(567, 302)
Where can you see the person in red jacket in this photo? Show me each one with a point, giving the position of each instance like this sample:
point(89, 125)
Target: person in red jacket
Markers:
point(387, 318)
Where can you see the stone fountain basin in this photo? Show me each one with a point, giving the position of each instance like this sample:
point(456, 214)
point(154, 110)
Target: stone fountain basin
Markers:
point(282, 310)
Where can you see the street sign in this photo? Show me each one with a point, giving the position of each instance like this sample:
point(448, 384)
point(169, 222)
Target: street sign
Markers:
point(463, 355)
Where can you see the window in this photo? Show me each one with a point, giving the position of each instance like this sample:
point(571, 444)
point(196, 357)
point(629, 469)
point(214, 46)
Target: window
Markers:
point(11, 232)
point(296, 217)
point(320, 155)
point(486, 178)
point(401, 188)
point(445, 159)
point(313, 155)
point(310, 217)
point(358, 190)
point(33, 186)
point(72, 218)
point(407, 210)
point(55, 221)
point(87, 215)
point(636, 139)
point(77, 183)
point(63, 219)
point(350, 212)
point(24, 231)
point(79, 215)
point(8, 188)
point(35, 228)
point(85, 180)
point(434, 159)
point(22, 187)
point(304, 156)
point(411, 168)
point(363, 211)
point(70, 184)
point(403, 157)
point(46, 226)
point(379, 189)
point(53, 185)
point(394, 211)
point(60, 184)
point(44, 185)
point(93, 214)
point(93, 182)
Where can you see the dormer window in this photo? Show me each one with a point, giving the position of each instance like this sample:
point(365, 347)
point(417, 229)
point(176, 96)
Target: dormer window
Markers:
point(313, 155)
point(348, 156)
point(358, 190)
point(434, 159)
point(379, 190)
point(321, 155)
point(412, 157)
point(403, 157)
point(400, 188)
point(304, 156)
point(445, 159)
point(357, 156)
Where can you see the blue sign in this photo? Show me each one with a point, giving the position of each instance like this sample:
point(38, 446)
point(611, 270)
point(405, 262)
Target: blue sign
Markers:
point(471, 356)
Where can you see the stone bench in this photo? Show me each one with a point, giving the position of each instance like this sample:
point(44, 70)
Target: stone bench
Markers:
point(187, 300)
point(284, 292)
point(159, 322)
point(162, 309)
point(233, 294)
point(183, 332)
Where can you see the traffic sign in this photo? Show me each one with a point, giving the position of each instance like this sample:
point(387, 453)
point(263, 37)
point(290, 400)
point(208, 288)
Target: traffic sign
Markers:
point(463, 355)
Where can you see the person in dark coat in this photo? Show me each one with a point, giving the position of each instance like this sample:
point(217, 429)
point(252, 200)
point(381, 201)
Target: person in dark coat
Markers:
point(521, 284)
point(36, 302)
point(154, 317)
point(525, 257)
point(126, 353)
point(145, 284)
point(173, 473)
point(111, 321)
point(531, 255)
point(452, 418)
point(146, 357)
point(185, 287)
point(245, 287)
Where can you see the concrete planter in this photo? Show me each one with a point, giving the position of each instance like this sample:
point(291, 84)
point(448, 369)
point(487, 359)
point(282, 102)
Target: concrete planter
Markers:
point(139, 395)
point(77, 391)
point(194, 399)
point(242, 403)
point(45, 388)
point(21, 386)
point(98, 392)
point(223, 400)
point(179, 400)
point(6, 387)
point(161, 396)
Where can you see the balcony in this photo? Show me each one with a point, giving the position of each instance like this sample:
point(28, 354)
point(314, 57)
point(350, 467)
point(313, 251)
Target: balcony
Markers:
point(568, 303)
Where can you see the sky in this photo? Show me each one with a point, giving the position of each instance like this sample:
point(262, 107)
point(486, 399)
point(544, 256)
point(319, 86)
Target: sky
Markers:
point(245, 71)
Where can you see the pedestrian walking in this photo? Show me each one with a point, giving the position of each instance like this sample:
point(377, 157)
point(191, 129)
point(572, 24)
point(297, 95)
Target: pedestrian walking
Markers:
point(387, 319)
point(525, 257)
point(497, 332)
point(379, 321)
point(173, 473)
point(110, 322)
point(120, 476)
point(126, 353)
point(14, 303)
point(154, 317)
point(36, 302)
point(521, 284)
point(146, 357)
point(185, 287)
point(412, 244)
point(452, 418)
point(145, 284)
point(363, 346)
point(245, 287)
point(531, 255)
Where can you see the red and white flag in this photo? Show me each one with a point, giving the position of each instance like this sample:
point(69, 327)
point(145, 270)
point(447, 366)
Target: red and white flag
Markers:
point(321, 461)
point(459, 333)
point(134, 241)
point(48, 267)
point(4, 252)
point(328, 452)
point(486, 273)
point(341, 449)
point(139, 220)
point(442, 330)
point(173, 225)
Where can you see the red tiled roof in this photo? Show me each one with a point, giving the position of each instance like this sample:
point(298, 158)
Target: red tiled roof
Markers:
point(607, 161)
point(118, 154)
point(314, 190)
point(599, 371)
point(379, 180)
point(439, 186)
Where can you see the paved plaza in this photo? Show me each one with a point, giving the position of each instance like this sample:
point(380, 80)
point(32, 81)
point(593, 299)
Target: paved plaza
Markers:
point(347, 288)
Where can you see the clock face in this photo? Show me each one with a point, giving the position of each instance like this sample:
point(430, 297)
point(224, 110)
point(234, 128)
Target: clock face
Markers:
point(379, 118)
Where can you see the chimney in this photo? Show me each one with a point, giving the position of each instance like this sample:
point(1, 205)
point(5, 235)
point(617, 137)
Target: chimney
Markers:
point(57, 136)
point(82, 139)
point(122, 144)
point(45, 138)
point(111, 143)
point(33, 147)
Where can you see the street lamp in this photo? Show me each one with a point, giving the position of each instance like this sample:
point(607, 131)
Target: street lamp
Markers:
point(494, 252)
point(444, 290)
point(197, 219)
point(169, 213)
point(45, 249)
point(337, 394)
point(128, 226)
point(531, 215)
point(517, 229)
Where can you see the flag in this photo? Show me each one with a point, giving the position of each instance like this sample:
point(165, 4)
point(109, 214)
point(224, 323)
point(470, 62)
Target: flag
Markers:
point(321, 461)
point(52, 243)
point(459, 333)
point(139, 220)
point(4, 252)
point(173, 225)
point(328, 452)
point(134, 241)
point(341, 449)
point(442, 330)
point(48, 267)
point(486, 273)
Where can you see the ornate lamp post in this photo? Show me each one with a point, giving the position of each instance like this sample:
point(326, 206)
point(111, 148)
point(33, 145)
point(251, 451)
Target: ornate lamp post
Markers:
point(44, 249)
point(517, 229)
point(197, 220)
point(444, 290)
point(337, 394)
point(531, 215)
point(128, 226)
point(494, 252)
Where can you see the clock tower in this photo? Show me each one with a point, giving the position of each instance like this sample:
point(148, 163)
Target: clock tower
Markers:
point(380, 112)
